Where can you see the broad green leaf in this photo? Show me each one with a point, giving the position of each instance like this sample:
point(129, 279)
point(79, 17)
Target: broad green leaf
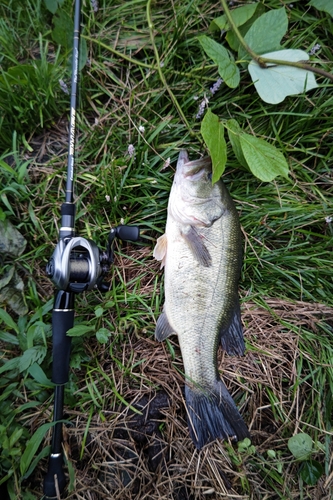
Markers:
point(276, 82)
point(11, 292)
point(7, 168)
point(38, 374)
point(99, 311)
point(21, 74)
point(27, 406)
point(212, 132)
point(9, 338)
point(83, 54)
point(33, 355)
point(44, 452)
point(227, 68)
point(71, 474)
point(63, 29)
point(229, 73)
point(51, 5)
point(300, 446)
point(33, 445)
point(240, 16)
point(79, 330)
point(103, 335)
point(8, 320)
point(266, 33)
point(12, 243)
point(311, 471)
point(234, 133)
point(11, 364)
point(232, 39)
point(325, 5)
point(17, 433)
point(264, 160)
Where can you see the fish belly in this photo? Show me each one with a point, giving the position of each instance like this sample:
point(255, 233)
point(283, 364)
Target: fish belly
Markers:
point(199, 300)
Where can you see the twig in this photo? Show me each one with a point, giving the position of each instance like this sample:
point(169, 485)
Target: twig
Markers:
point(264, 62)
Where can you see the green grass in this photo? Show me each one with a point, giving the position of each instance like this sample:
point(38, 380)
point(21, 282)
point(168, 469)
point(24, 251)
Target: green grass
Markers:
point(284, 384)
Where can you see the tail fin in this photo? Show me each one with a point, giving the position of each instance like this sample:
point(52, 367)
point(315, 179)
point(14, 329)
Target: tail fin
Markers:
point(212, 414)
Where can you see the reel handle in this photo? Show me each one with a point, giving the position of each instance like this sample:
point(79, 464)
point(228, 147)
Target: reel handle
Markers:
point(124, 233)
point(128, 233)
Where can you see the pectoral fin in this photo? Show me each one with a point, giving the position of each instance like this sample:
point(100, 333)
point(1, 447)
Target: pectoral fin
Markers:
point(163, 328)
point(197, 246)
point(160, 250)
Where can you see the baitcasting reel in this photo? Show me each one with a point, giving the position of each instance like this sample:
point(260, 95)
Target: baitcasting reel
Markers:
point(77, 264)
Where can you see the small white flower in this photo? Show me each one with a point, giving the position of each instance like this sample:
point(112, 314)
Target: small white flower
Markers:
point(122, 222)
point(216, 86)
point(131, 151)
point(107, 197)
point(202, 107)
point(328, 219)
point(314, 49)
point(166, 164)
point(115, 199)
point(142, 129)
point(94, 4)
point(63, 86)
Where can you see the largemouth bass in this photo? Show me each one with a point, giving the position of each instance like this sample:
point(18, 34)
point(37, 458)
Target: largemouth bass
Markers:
point(201, 253)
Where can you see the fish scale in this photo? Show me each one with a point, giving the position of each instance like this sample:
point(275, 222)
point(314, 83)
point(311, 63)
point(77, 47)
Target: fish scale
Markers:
point(201, 254)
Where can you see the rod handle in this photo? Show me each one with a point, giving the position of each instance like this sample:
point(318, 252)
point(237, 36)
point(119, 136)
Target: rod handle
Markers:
point(55, 474)
point(62, 321)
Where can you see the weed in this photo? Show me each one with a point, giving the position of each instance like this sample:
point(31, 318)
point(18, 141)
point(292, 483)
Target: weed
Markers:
point(284, 383)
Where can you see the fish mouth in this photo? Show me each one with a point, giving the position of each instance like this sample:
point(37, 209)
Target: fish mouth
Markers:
point(193, 169)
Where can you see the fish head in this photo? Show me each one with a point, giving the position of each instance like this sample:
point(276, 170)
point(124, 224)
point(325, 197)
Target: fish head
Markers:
point(194, 199)
point(194, 176)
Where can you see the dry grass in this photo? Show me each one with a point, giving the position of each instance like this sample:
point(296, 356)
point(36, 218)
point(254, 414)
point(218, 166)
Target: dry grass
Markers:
point(280, 384)
point(152, 457)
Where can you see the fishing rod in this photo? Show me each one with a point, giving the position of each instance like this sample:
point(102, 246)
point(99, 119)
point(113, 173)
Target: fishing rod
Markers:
point(77, 265)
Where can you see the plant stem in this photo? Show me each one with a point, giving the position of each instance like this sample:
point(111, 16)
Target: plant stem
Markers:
point(265, 62)
point(236, 30)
